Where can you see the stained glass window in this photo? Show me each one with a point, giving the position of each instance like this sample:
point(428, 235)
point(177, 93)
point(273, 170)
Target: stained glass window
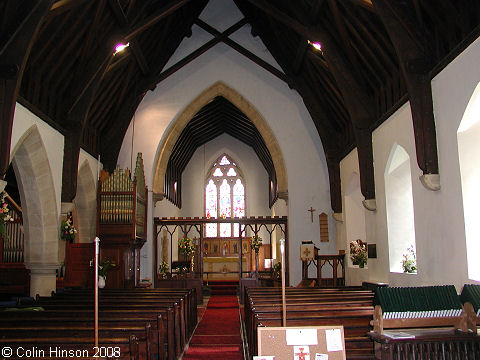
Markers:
point(211, 208)
point(224, 197)
point(224, 160)
point(218, 172)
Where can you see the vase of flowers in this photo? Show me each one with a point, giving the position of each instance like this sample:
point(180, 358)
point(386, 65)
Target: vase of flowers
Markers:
point(67, 230)
point(104, 267)
point(4, 216)
point(163, 269)
point(358, 253)
point(255, 246)
point(187, 247)
point(409, 262)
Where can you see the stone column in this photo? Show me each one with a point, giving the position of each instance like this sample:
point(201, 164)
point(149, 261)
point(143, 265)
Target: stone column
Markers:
point(43, 279)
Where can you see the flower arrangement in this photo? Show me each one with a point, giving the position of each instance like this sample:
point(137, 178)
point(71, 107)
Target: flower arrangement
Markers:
point(4, 216)
point(67, 230)
point(256, 243)
point(409, 262)
point(358, 253)
point(186, 245)
point(163, 267)
point(104, 267)
point(277, 270)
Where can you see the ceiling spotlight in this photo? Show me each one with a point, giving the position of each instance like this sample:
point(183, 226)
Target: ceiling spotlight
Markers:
point(120, 47)
point(316, 45)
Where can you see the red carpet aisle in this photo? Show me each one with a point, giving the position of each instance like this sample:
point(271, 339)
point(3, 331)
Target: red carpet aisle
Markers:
point(218, 334)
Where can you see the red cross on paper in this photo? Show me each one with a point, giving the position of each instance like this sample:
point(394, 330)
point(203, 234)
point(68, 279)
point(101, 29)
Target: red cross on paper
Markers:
point(301, 354)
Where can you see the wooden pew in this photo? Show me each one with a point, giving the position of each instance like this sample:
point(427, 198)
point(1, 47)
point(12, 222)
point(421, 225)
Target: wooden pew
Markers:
point(171, 315)
point(145, 337)
point(180, 325)
point(189, 296)
point(352, 308)
point(127, 347)
point(423, 322)
point(162, 324)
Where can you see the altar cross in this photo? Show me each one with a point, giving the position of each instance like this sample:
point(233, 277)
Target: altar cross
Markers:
point(311, 212)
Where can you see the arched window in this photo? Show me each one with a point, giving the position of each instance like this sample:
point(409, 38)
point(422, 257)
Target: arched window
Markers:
point(400, 213)
point(468, 134)
point(224, 197)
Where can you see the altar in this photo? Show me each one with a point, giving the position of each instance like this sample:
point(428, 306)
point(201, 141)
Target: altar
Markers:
point(223, 268)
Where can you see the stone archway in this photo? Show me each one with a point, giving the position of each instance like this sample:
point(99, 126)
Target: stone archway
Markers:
point(219, 89)
point(86, 203)
point(40, 214)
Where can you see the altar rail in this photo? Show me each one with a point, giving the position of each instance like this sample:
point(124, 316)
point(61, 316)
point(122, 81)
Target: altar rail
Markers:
point(188, 226)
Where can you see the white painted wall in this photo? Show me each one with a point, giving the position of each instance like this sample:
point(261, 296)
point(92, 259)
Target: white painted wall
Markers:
point(255, 176)
point(439, 222)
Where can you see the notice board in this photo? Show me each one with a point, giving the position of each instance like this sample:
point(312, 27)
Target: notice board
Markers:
point(302, 343)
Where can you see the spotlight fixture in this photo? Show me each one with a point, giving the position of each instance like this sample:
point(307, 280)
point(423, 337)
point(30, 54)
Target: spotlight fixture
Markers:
point(316, 45)
point(120, 48)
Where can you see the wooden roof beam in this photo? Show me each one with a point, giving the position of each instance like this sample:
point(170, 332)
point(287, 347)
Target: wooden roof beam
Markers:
point(415, 64)
point(13, 57)
point(134, 46)
point(154, 18)
point(195, 54)
point(240, 49)
point(62, 6)
point(366, 4)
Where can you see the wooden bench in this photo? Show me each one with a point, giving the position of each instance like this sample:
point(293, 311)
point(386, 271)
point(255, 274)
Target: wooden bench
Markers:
point(351, 308)
point(162, 324)
point(425, 322)
point(41, 347)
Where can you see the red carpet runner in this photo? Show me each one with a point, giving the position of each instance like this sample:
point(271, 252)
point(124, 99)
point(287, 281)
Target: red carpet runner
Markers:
point(218, 334)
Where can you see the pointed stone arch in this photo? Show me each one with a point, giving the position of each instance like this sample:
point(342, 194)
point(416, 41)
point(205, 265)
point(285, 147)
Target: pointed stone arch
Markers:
point(40, 213)
point(218, 89)
point(86, 203)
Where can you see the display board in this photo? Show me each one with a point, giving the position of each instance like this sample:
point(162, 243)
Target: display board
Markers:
point(301, 343)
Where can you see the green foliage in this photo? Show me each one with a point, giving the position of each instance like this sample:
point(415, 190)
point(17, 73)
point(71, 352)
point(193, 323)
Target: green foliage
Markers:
point(409, 262)
point(256, 243)
point(358, 252)
point(186, 245)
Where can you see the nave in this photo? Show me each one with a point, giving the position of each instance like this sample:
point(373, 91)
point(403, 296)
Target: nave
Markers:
point(218, 333)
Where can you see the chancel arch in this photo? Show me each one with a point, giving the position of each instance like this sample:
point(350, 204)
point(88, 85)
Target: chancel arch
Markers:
point(171, 136)
point(36, 188)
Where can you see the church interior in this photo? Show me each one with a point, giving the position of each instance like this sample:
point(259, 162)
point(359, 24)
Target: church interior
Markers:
point(248, 167)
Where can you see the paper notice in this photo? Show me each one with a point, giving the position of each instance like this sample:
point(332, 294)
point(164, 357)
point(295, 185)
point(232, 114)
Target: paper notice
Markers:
point(302, 337)
point(321, 356)
point(301, 352)
point(334, 340)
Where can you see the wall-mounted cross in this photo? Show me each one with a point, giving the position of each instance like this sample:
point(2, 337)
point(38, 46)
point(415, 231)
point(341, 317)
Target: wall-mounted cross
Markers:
point(311, 212)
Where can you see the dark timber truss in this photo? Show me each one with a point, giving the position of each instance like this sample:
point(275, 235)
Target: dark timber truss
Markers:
point(56, 59)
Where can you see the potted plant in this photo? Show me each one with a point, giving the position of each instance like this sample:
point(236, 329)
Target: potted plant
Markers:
point(358, 253)
point(104, 267)
point(409, 262)
point(67, 230)
point(187, 247)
